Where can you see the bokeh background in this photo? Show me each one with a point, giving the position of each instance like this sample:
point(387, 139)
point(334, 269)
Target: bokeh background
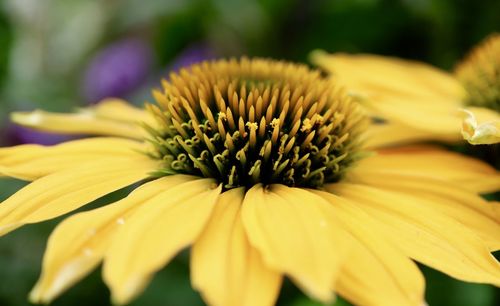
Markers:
point(63, 54)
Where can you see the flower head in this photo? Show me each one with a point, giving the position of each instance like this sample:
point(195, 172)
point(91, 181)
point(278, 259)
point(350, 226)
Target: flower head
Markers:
point(479, 73)
point(247, 122)
point(255, 165)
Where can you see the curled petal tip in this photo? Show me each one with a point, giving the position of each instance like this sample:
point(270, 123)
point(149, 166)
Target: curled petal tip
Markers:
point(477, 134)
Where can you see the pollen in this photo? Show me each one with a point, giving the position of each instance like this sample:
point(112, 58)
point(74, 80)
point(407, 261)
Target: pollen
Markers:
point(480, 74)
point(252, 121)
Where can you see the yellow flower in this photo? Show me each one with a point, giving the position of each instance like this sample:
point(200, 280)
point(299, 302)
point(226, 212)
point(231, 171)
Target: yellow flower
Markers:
point(422, 102)
point(258, 166)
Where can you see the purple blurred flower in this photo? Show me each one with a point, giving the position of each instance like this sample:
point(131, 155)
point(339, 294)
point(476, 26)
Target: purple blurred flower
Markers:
point(17, 134)
point(117, 70)
point(191, 55)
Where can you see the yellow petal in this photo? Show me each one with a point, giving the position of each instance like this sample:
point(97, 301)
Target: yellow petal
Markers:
point(406, 92)
point(481, 126)
point(65, 191)
point(432, 115)
point(394, 133)
point(425, 234)
point(371, 277)
point(155, 233)
point(119, 110)
point(375, 273)
point(432, 162)
point(78, 244)
point(381, 75)
point(29, 162)
point(469, 209)
point(224, 267)
point(294, 234)
point(85, 122)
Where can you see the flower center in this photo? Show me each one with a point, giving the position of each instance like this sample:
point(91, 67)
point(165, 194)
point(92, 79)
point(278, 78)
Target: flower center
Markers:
point(480, 74)
point(252, 121)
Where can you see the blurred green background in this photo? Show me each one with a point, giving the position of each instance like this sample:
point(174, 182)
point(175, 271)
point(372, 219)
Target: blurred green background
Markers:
point(62, 54)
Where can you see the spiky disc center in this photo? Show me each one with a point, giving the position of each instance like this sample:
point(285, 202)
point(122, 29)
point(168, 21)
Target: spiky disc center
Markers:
point(480, 74)
point(255, 121)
